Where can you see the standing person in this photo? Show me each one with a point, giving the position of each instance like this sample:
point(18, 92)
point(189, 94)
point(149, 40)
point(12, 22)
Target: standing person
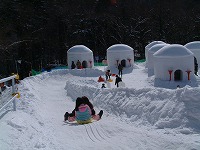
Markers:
point(73, 66)
point(78, 64)
point(30, 73)
point(120, 68)
point(117, 80)
point(108, 74)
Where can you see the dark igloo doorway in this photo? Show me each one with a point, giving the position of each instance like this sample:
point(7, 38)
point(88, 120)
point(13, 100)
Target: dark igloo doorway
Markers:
point(178, 75)
point(123, 63)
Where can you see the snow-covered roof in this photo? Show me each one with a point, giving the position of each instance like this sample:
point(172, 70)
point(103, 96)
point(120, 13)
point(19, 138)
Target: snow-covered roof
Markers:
point(157, 47)
point(193, 45)
point(79, 49)
point(174, 50)
point(119, 48)
point(154, 43)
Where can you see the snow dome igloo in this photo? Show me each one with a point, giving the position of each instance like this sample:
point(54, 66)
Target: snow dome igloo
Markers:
point(149, 46)
point(195, 48)
point(174, 62)
point(81, 53)
point(120, 54)
point(151, 51)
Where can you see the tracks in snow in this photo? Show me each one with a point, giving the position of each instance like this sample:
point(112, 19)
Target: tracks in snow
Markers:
point(96, 133)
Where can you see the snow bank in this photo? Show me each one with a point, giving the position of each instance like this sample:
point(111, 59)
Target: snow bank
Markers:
point(86, 72)
point(162, 108)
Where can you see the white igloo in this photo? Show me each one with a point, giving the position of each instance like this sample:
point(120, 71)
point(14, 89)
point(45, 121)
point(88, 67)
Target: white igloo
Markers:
point(151, 51)
point(195, 48)
point(81, 53)
point(174, 62)
point(120, 53)
point(149, 46)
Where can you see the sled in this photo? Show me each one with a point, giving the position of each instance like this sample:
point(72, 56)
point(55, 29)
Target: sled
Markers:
point(18, 94)
point(101, 79)
point(113, 75)
point(84, 121)
point(72, 120)
point(110, 80)
point(121, 84)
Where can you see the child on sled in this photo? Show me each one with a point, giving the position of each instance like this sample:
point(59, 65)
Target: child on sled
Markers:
point(83, 113)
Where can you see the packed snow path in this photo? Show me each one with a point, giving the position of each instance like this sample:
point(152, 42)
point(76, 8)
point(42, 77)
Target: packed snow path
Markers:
point(38, 124)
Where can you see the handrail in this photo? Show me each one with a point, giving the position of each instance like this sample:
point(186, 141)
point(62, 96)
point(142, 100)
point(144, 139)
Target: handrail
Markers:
point(14, 103)
point(13, 92)
point(8, 78)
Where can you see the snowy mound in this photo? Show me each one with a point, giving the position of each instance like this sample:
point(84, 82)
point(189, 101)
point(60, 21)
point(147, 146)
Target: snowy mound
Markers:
point(79, 49)
point(193, 45)
point(86, 72)
point(156, 47)
point(157, 107)
point(154, 43)
point(174, 50)
point(119, 47)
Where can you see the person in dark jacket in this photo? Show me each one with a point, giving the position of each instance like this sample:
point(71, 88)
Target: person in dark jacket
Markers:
point(117, 80)
point(73, 66)
point(78, 64)
point(120, 68)
point(108, 74)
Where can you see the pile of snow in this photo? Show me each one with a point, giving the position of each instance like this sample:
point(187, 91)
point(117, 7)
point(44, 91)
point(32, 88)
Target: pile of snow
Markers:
point(159, 107)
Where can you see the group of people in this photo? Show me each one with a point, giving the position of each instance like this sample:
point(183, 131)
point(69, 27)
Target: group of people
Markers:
point(77, 65)
point(118, 77)
point(83, 112)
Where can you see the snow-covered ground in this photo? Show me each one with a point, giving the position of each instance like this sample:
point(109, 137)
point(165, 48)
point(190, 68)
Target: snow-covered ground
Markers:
point(141, 116)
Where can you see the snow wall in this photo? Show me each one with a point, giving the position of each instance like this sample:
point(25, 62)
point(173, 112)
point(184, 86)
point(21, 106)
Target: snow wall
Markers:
point(159, 107)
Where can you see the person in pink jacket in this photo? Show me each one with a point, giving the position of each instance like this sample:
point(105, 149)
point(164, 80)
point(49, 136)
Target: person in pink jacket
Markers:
point(83, 111)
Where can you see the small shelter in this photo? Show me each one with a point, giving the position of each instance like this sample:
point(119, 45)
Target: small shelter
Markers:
point(150, 63)
point(194, 47)
point(149, 46)
point(174, 62)
point(81, 54)
point(120, 54)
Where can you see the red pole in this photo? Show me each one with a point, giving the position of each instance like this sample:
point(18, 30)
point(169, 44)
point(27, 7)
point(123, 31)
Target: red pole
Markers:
point(129, 60)
point(117, 62)
point(188, 72)
point(170, 74)
point(90, 63)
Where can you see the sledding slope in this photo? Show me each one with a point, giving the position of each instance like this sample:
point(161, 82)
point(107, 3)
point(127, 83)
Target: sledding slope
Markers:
point(127, 123)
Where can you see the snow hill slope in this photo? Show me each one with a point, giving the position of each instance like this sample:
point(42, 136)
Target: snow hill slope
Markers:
point(139, 116)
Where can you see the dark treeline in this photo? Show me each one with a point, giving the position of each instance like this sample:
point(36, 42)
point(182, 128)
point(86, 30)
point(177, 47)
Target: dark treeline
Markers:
point(40, 32)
